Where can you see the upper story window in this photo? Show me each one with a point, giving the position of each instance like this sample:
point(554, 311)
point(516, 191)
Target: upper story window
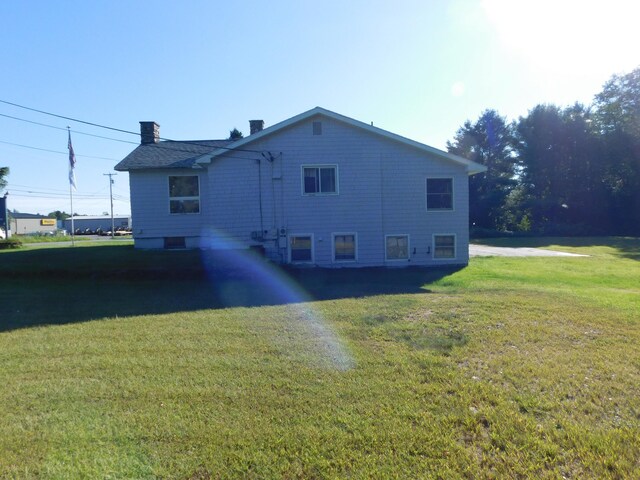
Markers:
point(439, 193)
point(319, 179)
point(184, 194)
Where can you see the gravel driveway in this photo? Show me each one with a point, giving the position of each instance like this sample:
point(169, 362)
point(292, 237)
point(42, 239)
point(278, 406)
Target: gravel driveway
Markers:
point(476, 250)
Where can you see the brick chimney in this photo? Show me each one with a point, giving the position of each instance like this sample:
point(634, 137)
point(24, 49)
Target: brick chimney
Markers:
point(149, 132)
point(255, 126)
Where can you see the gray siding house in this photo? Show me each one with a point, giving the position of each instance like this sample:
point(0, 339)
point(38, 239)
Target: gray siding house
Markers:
point(316, 189)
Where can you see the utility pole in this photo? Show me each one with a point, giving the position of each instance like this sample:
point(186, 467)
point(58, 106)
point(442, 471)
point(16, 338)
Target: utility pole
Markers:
point(113, 227)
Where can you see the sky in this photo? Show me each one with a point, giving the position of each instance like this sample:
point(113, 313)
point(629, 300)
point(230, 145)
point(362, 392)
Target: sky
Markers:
point(419, 69)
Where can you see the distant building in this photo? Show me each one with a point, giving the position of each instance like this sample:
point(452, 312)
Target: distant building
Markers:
point(102, 222)
point(30, 224)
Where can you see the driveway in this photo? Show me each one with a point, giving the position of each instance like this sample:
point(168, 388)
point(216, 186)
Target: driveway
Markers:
point(476, 250)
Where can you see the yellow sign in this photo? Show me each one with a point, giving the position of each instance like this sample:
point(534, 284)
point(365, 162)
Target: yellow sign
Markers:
point(48, 221)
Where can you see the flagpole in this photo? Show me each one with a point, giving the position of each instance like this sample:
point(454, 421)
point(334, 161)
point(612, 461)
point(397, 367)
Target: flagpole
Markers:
point(72, 225)
point(71, 154)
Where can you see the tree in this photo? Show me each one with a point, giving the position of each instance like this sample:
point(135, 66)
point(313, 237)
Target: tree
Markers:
point(235, 134)
point(617, 117)
point(488, 141)
point(561, 170)
point(4, 172)
point(58, 215)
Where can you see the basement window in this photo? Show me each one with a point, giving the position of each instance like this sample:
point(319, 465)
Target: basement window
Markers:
point(344, 247)
point(184, 194)
point(397, 247)
point(444, 246)
point(301, 248)
point(171, 243)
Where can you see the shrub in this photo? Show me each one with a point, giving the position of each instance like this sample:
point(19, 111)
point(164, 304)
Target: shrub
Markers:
point(10, 243)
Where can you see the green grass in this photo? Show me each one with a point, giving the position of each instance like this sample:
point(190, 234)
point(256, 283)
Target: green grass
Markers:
point(512, 367)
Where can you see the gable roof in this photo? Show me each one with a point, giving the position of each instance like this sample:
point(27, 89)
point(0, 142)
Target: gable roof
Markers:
point(187, 154)
point(168, 154)
point(471, 167)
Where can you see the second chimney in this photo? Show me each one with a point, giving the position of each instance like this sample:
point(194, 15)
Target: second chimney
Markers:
point(255, 126)
point(149, 132)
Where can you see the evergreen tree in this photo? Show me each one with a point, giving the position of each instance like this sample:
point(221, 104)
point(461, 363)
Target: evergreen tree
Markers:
point(488, 141)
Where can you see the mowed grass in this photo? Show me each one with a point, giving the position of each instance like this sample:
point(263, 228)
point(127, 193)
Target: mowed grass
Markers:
point(511, 367)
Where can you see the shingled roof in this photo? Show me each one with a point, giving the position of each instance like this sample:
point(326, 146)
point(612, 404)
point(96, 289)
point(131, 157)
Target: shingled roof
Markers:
point(169, 154)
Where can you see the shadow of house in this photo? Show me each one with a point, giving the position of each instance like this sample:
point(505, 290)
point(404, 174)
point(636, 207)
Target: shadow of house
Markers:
point(46, 287)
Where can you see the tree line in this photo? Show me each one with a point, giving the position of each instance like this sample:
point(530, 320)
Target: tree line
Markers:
point(560, 171)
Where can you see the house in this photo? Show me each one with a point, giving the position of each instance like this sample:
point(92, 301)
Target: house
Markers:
point(31, 224)
point(316, 189)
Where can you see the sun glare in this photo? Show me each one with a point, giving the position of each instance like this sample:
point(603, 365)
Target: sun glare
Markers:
point(552, 35)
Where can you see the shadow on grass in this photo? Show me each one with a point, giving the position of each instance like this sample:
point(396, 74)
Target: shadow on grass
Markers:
point(60, 286)
point(625, 247)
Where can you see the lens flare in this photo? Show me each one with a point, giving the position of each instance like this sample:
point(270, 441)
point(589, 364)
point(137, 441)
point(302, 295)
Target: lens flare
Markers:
point(243, 278)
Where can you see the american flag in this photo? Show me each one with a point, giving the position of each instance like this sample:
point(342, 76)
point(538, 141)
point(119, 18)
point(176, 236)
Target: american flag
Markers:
point(72, 164)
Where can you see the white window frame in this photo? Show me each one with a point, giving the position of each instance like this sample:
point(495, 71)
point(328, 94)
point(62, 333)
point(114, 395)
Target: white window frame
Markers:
point(319, 166)
point(355, 247)
point(183, 198)
point(453, 195)
point(313, 253)
point(386, 257)
point(455, 245)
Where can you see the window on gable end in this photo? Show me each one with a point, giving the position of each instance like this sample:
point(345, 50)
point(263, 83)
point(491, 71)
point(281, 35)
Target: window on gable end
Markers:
point(184, 194)
point(321, 179)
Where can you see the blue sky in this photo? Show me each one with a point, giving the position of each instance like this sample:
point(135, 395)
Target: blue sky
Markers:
point(201, 68)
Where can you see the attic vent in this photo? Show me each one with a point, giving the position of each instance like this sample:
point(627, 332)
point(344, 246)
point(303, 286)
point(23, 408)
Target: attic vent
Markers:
point(317, 128)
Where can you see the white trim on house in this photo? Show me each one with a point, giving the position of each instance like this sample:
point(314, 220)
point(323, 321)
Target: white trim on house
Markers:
point(313, 253)
point(333, 247)
point(455, 246)
point(471, 167)
point(453, 194)
point(386, 257)
point(320, 166)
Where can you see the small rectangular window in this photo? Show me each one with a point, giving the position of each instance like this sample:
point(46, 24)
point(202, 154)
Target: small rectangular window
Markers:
point(317, 128)
point(174, 242)
point(439, 194)
point(184, 194)
point(344, 247)
point(301, 248)
point(320, 179)
point(397, 247)
point(444, 246)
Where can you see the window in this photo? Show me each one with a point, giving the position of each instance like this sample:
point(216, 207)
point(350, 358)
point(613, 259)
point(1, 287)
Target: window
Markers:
point(397, 247)
point(174, 242)
point(301, 248)
point(320, 179)
point(439, 194)
point(317, 128)
point(184, 194)
point(444, 246)
point(344, 247)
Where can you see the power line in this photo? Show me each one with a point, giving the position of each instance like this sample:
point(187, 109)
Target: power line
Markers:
point(56, 151)
point(121, 130)
point(63, 128)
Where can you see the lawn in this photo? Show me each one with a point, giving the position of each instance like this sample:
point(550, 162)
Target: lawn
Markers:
point(117, 363)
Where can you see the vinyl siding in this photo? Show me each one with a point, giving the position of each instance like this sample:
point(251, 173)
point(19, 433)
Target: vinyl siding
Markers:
point(381, 191)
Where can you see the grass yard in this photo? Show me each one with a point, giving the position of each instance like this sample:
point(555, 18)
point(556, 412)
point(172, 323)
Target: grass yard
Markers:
point(123, 364)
